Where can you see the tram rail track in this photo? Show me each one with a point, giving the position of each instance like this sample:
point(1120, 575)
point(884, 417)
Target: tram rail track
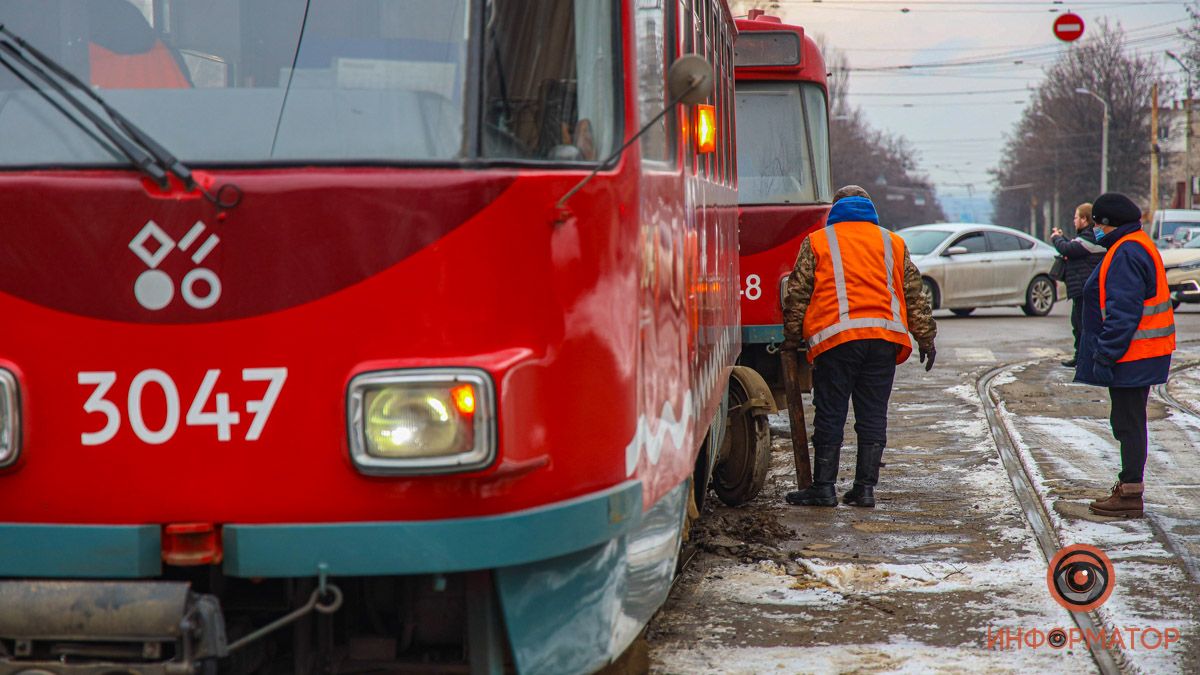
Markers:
point(1109, 662)
point(1163, 391)
point(1036, 510)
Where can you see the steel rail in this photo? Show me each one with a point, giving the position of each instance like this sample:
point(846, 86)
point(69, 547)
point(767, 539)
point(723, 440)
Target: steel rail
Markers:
point(1108, 662)
point(1163, 392)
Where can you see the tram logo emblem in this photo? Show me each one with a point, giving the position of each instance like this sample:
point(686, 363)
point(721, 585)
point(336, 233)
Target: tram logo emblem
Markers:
point(1080, 577)
point(154, 289)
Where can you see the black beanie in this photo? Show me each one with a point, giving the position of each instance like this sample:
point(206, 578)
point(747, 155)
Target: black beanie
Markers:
point(1114, 210)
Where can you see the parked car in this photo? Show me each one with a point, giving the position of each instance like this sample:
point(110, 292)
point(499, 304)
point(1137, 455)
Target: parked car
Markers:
point(1183, 272)
point(1184, 235)
point(1166, 221)
point(969, 265)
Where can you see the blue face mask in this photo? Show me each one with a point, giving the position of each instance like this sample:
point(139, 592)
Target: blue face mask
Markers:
point(1099, 233)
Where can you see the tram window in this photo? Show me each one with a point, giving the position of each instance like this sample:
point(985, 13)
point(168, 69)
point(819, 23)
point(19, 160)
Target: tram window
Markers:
point(549, 73)
point(653, 43)
point(775, 156)
point(818, 126)
point(262, 81)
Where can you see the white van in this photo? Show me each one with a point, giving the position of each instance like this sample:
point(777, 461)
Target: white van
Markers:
point(1166, 221)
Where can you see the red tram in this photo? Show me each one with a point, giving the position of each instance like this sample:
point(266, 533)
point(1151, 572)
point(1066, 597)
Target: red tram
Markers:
point(402, 358)
point(784, 185)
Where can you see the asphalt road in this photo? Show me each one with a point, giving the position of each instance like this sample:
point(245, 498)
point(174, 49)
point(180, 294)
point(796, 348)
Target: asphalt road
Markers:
point(949, 557)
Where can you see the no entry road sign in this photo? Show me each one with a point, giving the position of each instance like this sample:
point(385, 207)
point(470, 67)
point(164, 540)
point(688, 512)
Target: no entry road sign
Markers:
point(1068, 27)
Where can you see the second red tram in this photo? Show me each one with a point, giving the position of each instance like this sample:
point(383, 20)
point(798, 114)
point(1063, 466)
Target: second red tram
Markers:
point(402, 361)
point(784, 185)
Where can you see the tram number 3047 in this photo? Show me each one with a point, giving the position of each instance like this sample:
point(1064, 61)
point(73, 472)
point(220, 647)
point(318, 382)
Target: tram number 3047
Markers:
point(221, 416)
point(753, 287)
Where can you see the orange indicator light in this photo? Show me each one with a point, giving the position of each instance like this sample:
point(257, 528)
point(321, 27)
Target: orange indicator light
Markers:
point(706, 128)
point(464, 398)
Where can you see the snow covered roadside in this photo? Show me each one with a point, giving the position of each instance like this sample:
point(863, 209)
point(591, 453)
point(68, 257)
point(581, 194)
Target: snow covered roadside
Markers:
point(1067, 450)
point(913, 586)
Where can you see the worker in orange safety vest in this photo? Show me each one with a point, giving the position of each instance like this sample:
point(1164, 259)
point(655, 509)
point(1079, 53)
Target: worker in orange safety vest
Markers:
point(1127, 340)
point(853, 298)
point(125, 52)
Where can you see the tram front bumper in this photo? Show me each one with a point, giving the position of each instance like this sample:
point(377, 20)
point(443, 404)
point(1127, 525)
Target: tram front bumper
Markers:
point(86, 627)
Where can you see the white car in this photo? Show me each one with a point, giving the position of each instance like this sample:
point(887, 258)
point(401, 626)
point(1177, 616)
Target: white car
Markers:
point(1166, 221)
point(969, 265)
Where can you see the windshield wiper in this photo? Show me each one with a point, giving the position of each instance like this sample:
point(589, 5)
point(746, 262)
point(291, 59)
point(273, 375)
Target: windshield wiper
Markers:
point(144, 152)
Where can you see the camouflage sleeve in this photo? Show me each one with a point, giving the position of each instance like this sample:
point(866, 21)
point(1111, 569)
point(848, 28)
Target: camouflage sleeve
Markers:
point(799, 292)
point(920, 314)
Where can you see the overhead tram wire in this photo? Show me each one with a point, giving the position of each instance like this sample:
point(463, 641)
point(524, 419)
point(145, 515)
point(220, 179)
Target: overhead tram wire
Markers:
point(1040, 53)
point(962, 104)
point(978, 92)
point(951, 7)
point(999, 49)
point(1004, 60)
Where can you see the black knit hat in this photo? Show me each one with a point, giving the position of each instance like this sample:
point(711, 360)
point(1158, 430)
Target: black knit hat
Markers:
point(1114, 210)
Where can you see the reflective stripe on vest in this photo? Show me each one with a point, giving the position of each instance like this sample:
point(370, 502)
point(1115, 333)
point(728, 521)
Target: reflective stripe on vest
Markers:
point(1155, 334)
point(843, 326)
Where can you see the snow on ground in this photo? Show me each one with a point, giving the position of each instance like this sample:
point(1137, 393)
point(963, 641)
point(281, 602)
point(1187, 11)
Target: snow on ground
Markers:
point(1081, 451)
point(900, 658)
point(766, 584)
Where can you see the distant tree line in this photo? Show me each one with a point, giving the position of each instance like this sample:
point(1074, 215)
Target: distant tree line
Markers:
point(883, 163)
point(1055, 148)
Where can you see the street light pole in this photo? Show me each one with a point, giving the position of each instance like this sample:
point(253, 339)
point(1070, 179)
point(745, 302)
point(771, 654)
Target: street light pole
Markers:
point(1057, 143)
point(1187, 136)
point(1103, 139)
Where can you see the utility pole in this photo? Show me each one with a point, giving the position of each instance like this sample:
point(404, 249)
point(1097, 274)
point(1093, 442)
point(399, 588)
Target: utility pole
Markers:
point(1187, 136)
point(1103, 138)
point(1056, 214)
point(1153, 149)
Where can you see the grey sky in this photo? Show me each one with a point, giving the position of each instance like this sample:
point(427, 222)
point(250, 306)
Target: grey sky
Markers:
point(956, 117)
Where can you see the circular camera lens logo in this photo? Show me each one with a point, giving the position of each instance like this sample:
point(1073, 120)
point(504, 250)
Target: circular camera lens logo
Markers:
point(1080, 577)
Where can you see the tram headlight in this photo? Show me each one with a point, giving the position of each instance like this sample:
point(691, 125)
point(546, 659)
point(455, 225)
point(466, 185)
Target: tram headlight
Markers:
point(421, 421)
point(10, 418)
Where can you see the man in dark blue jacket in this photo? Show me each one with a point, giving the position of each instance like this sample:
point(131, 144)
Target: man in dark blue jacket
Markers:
point(1128, 337)
point(1082, 255)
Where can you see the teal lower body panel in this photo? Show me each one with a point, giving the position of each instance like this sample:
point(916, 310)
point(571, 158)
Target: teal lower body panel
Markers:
point(433, 546)
point(576, 613)
point(752, 335)
point(576, 581)
point(80, 551)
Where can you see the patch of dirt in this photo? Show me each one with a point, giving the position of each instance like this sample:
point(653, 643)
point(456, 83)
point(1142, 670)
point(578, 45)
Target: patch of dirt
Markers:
point(746, 535)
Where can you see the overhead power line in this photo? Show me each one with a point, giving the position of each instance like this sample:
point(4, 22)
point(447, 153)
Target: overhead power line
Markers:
point(976, 92)
point(1005, 60)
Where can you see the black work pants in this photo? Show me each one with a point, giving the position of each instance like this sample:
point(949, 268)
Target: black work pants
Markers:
point(1128, 419)
point(1076, 320)
point(862, 370)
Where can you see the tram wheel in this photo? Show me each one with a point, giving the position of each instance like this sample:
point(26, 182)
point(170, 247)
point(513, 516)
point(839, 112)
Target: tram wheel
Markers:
point(746, 451)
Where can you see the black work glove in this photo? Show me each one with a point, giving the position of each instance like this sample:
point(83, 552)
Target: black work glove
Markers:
point(1102, 369)
point(929, 353)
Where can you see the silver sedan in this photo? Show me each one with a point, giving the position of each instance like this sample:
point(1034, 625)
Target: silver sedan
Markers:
point(968, 265)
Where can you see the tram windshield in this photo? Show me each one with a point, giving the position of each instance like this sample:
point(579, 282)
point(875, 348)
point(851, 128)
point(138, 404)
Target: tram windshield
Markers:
point(783, 144)
point(324, 81)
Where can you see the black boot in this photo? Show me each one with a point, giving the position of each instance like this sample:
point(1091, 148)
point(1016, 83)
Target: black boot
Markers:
point(825, 470)
point(866, 476)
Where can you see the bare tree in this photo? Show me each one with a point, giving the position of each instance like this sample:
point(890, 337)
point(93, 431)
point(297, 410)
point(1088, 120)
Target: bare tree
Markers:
point(1057, 141)
point(885, 164)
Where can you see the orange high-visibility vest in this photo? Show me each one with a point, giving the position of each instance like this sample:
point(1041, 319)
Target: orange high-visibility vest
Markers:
point(858, 288)
point(1155, 335)
point(155, 69)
